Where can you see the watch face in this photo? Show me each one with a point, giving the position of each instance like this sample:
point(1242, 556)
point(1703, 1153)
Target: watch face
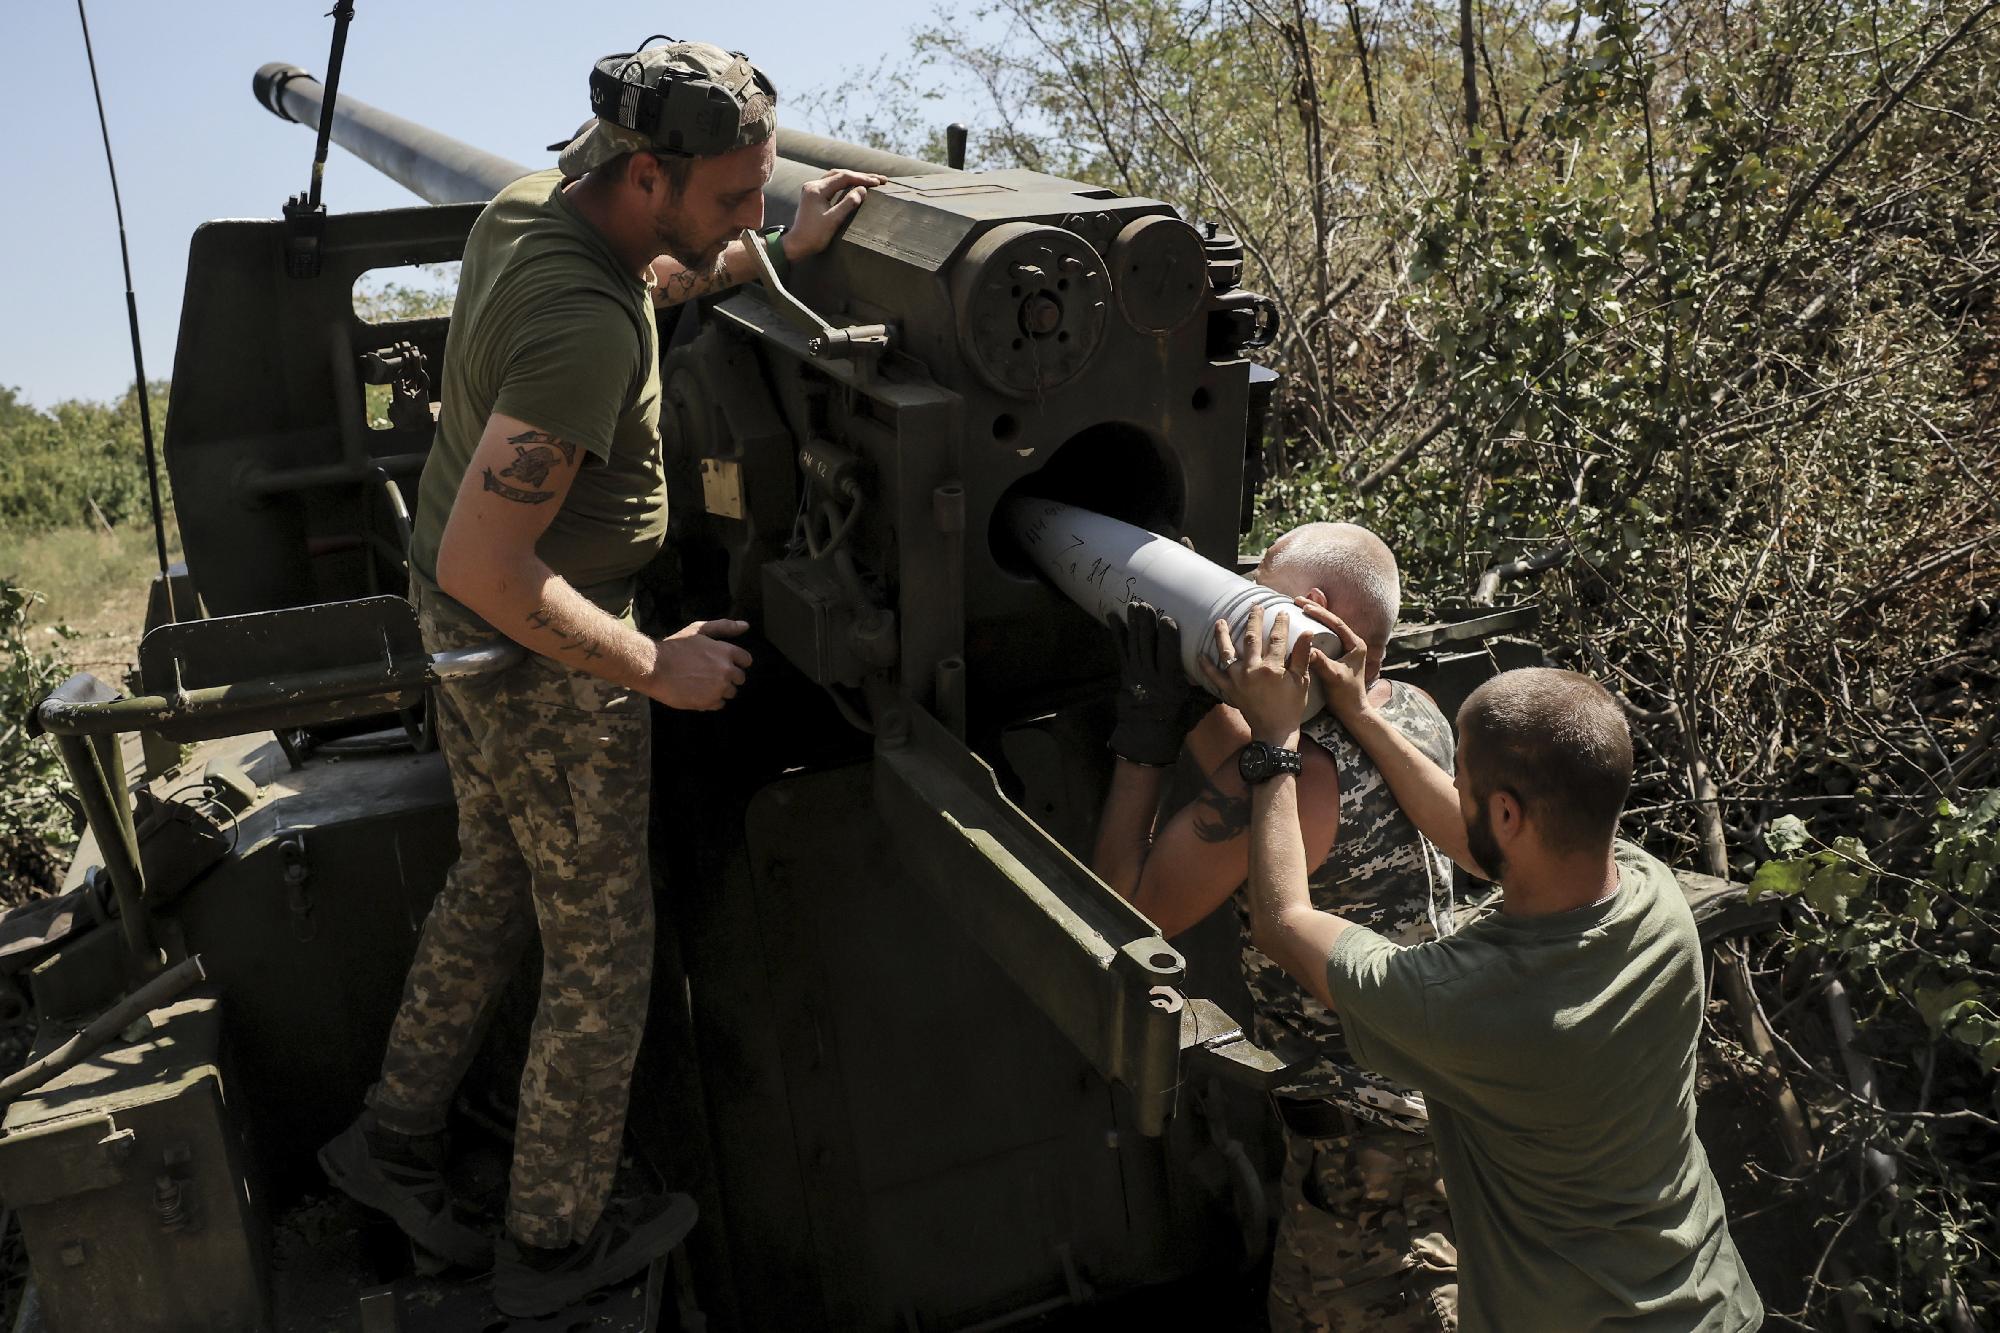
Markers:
point(1255, 762)
point(1260, 761)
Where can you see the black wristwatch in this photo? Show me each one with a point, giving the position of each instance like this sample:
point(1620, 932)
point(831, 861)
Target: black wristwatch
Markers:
point(1260, 761)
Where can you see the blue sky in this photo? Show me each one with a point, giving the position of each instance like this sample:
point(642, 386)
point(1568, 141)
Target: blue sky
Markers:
point(192, 144)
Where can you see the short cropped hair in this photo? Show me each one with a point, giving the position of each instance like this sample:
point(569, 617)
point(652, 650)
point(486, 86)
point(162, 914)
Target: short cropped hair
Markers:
point(1558, 741)
point(673, 166)
point(1352, 566)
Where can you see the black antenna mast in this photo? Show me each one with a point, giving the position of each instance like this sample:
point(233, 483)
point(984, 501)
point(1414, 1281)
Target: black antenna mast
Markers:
point(304, 213)
point(132, 318)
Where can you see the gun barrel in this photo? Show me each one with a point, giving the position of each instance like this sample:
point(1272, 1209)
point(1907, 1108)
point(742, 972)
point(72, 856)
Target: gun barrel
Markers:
point(442, 170)
point(819, 151)
point(435, 167)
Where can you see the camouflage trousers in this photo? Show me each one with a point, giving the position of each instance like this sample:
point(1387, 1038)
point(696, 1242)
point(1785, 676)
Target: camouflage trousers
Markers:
point(1364, 1241)
point(551, 769)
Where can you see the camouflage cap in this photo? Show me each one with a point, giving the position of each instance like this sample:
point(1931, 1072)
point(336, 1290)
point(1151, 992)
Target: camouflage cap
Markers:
point(690, 99)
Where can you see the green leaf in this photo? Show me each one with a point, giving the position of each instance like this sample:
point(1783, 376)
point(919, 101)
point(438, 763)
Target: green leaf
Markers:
point(1785, 877)
point(1832, 887)
point(1940, 1004)
point(1786, 834)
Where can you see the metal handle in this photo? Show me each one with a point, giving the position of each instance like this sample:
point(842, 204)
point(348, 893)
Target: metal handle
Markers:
point(85, 706)
point(856, 340)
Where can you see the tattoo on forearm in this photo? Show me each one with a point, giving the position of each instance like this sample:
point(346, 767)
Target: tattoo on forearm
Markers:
point(515, 493)
point(569, 642)
point(1218, 816)
point(687, 284)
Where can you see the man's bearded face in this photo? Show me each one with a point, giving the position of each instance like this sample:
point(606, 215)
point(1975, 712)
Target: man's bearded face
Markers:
point(721, 196)
point(675, 236)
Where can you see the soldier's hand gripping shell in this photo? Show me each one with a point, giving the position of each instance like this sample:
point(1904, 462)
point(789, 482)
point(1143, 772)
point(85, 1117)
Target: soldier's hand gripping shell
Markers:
point(1344, 680)
point(1153, 690)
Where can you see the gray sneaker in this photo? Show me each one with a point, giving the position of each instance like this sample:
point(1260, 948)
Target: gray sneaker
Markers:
point(402, 1176)
point(528, 1284)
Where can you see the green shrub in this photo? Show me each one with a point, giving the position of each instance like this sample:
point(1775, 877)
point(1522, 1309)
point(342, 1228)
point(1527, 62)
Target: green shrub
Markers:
point(34, 818)
point(1917, 953)
point(77, 462)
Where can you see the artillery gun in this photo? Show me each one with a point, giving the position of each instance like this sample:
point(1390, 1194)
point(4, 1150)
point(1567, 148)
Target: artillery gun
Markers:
point(918, 1066)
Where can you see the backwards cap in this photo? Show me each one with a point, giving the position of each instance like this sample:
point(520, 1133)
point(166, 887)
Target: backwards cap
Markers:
point(689, 99)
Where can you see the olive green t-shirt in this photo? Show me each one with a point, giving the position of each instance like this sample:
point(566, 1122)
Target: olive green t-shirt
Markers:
point(1557, 1055)
point(549, 328)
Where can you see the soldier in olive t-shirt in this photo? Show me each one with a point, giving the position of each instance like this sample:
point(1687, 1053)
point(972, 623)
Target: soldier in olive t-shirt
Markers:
point(542, 498)
point(550, 328)
point(1557, 1057)
point(1554, 1041)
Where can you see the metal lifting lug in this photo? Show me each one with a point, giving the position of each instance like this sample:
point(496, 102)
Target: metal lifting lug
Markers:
point(861, 342)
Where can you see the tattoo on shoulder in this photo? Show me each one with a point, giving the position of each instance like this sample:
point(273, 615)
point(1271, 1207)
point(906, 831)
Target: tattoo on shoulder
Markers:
point(1218, 816)
point(506, 492)
point(535, 456)
point(529, 438)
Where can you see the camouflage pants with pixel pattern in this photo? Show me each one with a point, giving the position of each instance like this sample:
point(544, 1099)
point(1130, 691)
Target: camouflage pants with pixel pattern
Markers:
point(551, 769)
point(1364, 1241)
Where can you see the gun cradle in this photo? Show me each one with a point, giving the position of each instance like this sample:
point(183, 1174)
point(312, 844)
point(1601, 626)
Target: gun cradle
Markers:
point(1007, 333)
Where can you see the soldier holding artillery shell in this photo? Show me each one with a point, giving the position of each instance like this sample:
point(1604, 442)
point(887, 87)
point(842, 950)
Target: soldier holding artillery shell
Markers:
point(1555, 1039)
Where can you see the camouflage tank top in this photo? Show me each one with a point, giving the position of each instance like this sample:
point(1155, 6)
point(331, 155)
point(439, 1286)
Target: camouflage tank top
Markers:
point(1382, 874)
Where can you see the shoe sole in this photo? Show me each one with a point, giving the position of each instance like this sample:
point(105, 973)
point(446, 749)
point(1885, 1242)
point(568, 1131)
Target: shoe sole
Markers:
point(346, 1165)
point(654, 1242)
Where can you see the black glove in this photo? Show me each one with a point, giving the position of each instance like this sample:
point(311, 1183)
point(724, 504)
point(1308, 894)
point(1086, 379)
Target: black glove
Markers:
point(1153, 689)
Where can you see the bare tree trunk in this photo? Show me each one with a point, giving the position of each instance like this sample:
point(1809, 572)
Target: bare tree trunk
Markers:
point(1469, 75)
point(1301, 34)
point(1367, 77)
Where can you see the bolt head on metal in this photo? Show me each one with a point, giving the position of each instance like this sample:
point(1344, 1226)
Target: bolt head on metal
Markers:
point(1040, 315)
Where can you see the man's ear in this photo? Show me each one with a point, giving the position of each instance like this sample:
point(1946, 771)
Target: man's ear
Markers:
point(1506, 817)
point(642, 172)
point(1316, 595)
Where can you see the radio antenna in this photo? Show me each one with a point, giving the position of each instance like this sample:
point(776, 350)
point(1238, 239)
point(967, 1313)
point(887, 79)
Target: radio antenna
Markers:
point(305, 215)
point(132, 318)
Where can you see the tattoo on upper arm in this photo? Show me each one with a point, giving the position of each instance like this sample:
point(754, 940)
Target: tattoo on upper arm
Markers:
point(1218, 816)
point(506, 492)
point(540, 619)
point(529, 438)
point(535, 455)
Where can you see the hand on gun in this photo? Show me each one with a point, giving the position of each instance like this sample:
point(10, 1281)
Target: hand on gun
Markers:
point(695, 670)
point(824, 204)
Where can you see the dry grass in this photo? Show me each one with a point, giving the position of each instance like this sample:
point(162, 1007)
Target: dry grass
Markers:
point(94, 582)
